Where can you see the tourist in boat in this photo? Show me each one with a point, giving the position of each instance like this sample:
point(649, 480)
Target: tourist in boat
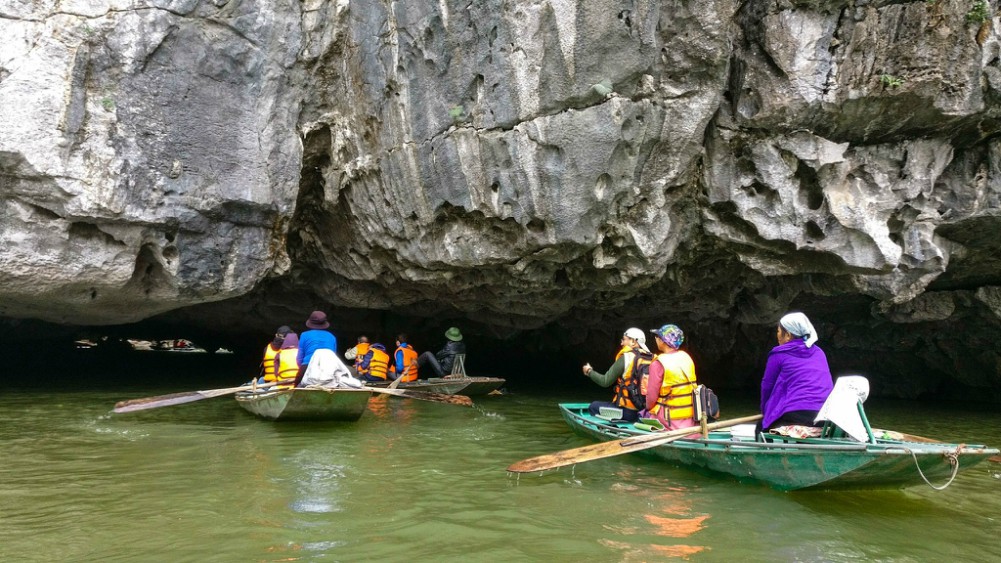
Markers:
point(671, 381)
point(374, 365)
point(441, 362)
point(797, 378)
point(283, 365)
point(631, 362)
point(404, 360)
point(317, 337)
point(358, 351)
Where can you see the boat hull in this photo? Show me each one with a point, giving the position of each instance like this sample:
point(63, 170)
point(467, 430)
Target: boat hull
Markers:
point(794, 464)
point(306, 404)
point(469, 386)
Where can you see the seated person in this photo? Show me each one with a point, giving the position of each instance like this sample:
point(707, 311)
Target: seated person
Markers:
point(357, 353)
point(797, 378)
point(626, 373)
point(374, 365)
point(404, 360)
point(672, 379)
point(279, 357)
point(441, 363)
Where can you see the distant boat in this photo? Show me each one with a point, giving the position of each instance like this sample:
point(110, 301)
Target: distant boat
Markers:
point(309, 403)
point(788, 463)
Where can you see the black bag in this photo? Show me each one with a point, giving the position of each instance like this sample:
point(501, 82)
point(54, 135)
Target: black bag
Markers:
point(706, 403)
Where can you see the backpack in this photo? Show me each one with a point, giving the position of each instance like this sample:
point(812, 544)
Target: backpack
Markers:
point(706, 402)
point(636, 388)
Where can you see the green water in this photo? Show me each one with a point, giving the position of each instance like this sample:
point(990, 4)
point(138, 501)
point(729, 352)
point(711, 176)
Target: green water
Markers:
point(420, 481)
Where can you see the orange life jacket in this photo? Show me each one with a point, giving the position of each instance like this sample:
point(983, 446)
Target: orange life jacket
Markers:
point(360, 350)
point(287, 368)
point(378, 365)
point(409, 363)
point(627, 388)
point(676, 390)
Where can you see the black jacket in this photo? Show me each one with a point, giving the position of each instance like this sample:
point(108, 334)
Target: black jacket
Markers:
point(446, 356)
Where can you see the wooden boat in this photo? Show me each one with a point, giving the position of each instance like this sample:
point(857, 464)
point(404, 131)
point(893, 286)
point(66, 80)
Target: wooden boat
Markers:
point(457, 383)
point(311, 403)
point(787, 463)
point(469, 386)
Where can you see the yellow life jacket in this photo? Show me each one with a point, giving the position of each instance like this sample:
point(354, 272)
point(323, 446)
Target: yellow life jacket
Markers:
point(287, 368)
point(378, 365)
point(676, 390)
point(360, 350)
point(268, 363)
point(623, 350)
point(409, 363)
point(628, 393)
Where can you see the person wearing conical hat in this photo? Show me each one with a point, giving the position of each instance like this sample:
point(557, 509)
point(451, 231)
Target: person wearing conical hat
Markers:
point(441, 362)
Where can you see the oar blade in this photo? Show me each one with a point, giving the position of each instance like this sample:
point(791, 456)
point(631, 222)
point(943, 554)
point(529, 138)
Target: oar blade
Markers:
point(603, 450)
point(589, 452)
point(157, 402)
point(171, 399)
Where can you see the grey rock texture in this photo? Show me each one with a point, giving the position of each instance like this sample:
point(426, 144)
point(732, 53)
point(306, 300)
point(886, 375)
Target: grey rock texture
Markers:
point(527, 166)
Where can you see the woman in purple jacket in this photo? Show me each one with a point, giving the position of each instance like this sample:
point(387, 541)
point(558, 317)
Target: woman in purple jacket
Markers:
point(797, 378)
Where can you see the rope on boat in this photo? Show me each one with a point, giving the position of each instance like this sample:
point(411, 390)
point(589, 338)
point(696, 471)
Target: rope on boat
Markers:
point(953, 458)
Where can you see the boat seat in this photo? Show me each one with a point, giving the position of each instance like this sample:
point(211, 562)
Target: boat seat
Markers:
point(459, 366)
point(843, 413)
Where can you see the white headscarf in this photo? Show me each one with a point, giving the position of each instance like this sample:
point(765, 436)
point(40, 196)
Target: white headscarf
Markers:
point(799, 326)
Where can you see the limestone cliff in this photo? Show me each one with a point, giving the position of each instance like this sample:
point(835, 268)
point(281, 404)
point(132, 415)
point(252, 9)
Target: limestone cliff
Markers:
point(525, 164)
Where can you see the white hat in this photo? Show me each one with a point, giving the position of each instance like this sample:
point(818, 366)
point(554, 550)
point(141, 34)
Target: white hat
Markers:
point(636, 334)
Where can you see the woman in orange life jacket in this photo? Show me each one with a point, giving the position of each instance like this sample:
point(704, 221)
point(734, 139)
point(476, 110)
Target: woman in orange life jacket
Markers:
point(632, 359)
point(404, 360)
point(375, 364)
point(671, 381)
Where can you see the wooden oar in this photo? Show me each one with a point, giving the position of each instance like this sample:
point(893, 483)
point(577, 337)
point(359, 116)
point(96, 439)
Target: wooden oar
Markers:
point(922, 439)
point(624, 446)
point(458, 400)
point(180, 398)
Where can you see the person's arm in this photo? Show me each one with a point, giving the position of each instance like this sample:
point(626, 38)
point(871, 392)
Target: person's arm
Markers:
point(302, 351)
point(655, 379)
point(772, 369)
point(398, 360)
point(613, 373)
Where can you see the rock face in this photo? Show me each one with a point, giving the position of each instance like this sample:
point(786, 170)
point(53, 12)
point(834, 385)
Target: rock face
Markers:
point(530, 166)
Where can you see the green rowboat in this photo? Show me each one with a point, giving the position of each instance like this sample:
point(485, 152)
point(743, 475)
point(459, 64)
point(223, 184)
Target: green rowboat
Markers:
point(788, 464)
point(309, 403)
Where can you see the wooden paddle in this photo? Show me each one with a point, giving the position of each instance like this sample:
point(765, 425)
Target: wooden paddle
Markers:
point(158, 401)
point(922, 439)
point(624, 446)
point(458, 400)
point(396, 382)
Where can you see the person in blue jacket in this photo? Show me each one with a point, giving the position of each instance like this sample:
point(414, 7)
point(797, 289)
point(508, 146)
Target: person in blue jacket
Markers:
point(311, 340)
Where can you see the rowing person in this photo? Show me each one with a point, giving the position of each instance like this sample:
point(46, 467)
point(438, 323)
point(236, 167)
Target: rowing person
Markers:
point(797, 377)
